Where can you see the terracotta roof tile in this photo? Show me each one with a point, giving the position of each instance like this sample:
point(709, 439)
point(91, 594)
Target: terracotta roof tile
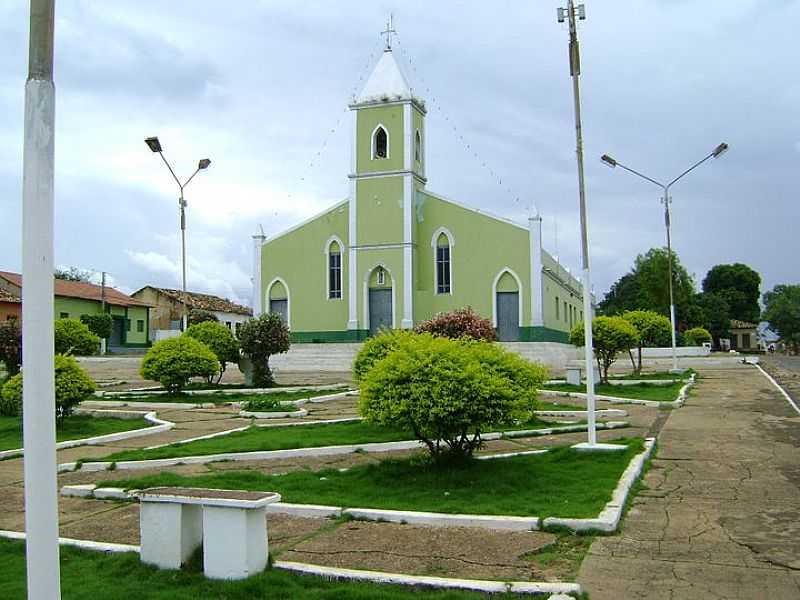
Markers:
point(8, 297)
point(737, 324)
point(80, 289)
point(204, 301)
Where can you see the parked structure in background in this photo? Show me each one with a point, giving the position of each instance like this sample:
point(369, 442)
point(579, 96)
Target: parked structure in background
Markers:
point(744, 336)
point(394, 254)
point(131, 317)
point(10, 306)
point(165, 316)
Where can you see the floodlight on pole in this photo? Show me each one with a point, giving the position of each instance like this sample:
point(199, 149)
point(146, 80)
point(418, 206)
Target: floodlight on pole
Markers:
point(155, 145)
point(667, 201)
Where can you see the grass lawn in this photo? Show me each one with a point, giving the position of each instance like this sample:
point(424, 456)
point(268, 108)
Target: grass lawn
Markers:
point(74, 428)
point(642, 391)
point(561, 405)
point(663, 375)
point(86, 575)
point(560, 483)
point(220, 398)
point(255, 439)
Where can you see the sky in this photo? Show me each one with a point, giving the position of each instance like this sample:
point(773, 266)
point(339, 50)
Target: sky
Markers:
point(261, 88)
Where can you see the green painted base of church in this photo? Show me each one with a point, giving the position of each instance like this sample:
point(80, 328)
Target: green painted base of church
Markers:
point(526, 334)
point(542, 334)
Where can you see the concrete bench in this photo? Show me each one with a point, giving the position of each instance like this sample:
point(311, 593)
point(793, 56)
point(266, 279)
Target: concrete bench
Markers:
point(230, 525)
point(576, 370)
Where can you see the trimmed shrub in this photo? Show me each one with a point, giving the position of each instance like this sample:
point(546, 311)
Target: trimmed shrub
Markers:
point(73, 385)
point(448, 392)
point(260, 338)
point(375, 349)
point(610, 336)
point(174, 361)
point(197, 316)
point(74, 337)
point(11, 346)
point(654, 330)
point(460, 323)
point(100, 325)
point(697, 336)
point(220, 341)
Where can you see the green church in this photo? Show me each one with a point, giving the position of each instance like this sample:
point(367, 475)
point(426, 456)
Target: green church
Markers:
point(394, 253)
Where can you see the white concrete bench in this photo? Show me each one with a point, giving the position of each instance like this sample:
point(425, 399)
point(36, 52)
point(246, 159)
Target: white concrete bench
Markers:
point(230, 525)
point(576, 370)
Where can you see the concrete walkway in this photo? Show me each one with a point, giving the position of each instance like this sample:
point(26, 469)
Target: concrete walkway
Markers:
point(720, 517)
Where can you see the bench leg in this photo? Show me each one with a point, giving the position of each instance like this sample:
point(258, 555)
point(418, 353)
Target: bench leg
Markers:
point(234, 542)
point(170, 533)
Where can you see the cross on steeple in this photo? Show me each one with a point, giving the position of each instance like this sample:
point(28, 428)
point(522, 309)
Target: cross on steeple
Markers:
point(388, 32)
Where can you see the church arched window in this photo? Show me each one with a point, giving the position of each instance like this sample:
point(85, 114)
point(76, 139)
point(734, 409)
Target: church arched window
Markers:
point(418, 147)
point(444, 268)
point(334, 270)
point(380, 143)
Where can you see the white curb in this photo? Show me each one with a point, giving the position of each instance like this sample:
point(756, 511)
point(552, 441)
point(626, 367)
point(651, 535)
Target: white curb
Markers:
point(273, 415)
point(608, 519)
point(83, 544)
point(477, 585)
point(677, 403)
point(603, 412)
point(314, 511)
point(780, 389)
point(434, 519)
point(112, 493)
point(79, 491)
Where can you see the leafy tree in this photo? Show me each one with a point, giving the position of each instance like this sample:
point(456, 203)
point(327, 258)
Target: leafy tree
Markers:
point(448, 392)
point(653, 329)
point(260, 338)
point(73, 274)
point(174, 361)
point(11, 346)
point(100, 325)
point(197, 315)
point(712, 312)
point(623, 295)
point(739, 285)
point(220, 340)
point(74, 337)
point(697, 336)
point(652, 272)
point(462, 322)
point(782, 310)
point(610, 336)
point(72, 386)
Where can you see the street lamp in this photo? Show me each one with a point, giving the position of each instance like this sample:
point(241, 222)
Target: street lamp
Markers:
point(667, 201)
point(155, 146)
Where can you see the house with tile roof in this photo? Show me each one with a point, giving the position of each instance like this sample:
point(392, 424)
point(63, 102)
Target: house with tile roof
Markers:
point(168, 307)
point(10, 306)
point(131, 317)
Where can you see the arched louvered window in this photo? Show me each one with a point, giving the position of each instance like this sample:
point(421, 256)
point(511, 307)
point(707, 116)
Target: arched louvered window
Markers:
point(380, 145)
point(334, 270)
point(418, 147)
point(443, 271)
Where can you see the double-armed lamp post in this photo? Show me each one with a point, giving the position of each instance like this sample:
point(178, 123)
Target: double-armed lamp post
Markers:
point(155, 146)
point(667, 201)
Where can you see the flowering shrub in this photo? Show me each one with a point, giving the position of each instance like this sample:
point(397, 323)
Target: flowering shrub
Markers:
point(460, 323)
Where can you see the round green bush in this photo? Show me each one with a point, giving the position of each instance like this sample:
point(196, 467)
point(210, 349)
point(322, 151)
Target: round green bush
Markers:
point(448, 391)
point(610, 336)
point(72, 385)
point(375, 349)
point(697, 336)
point(74, 337)
point(220, 341)
point(174, 361)
point(101, 325)
point(460, 323)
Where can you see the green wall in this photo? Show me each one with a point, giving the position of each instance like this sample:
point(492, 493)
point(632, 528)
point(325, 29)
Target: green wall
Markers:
point(391, 117)
point(75, 307)
point(379, 210)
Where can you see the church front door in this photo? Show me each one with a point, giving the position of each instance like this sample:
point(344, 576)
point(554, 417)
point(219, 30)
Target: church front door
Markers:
point(508, 316)
point(380, 310)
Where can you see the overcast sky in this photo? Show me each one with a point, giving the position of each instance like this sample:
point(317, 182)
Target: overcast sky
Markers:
point(261, 88)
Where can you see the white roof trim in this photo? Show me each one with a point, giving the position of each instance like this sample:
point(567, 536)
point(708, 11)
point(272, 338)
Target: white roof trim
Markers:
point(476, 210)
point(306, 222)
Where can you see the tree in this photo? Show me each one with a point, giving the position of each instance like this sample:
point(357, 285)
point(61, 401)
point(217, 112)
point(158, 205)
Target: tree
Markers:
point(73, 274)
point(712, 312)
point(174, 361)
point(260, 338)
point(449, 392)
point(74, 337)
point(197, 315)
point(782, 310)
point(100, 325)
point(11, 346)
point(739, 285)
point(462, 322)
point(697, 336)
point(652, 272)
point(623, 295)
point(654, 330)
point(220, 341)
point(610, 336)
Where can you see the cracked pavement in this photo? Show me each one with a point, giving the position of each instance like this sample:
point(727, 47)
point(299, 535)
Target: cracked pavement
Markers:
point(720, 515)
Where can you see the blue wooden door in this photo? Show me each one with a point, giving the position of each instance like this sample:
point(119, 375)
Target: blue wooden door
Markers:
point(380, 310)
point(508, 316)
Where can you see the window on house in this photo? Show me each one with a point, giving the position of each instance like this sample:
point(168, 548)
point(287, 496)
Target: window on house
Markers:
point(140, 326)
point(442, 264)
point(63, 315)
point(238, 327)
point(334, 271)
point(418, 147)
point(381, 276)
point(228, 324)
point(558, 309)
point(128, 324)
point(565, 310)
point(745, 340)
point(381, 144)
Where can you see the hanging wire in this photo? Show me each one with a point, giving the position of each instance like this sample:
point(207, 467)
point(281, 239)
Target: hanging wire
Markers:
point(506, 188)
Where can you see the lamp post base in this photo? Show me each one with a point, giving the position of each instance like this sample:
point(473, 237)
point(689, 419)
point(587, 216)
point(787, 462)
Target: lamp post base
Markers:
point(587, 447)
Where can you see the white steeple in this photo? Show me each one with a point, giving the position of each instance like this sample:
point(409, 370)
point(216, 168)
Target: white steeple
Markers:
point(387, 81)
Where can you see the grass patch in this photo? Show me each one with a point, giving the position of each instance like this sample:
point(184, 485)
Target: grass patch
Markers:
point(641, 391)
point(220, 398)
point(86, 574)
point(559, 406)
point(560, 483)
point(659, 375)
point(73, 428)
point(259, 439)
point(562, 559)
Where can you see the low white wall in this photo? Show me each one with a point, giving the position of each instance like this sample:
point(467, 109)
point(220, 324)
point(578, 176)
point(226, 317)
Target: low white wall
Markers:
point(681, 351)
point(164, 334)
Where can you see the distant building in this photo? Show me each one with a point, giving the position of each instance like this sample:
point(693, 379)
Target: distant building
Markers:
point(744, 335)
point(75, 298)
point(168, 309)
point(10, 306)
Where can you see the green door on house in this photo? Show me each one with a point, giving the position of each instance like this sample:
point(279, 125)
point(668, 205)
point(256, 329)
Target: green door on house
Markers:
point(508, 316)
point(380, 310)
point(117, 332)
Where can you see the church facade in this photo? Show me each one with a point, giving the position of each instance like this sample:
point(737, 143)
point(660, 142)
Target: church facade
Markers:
point(394, 254)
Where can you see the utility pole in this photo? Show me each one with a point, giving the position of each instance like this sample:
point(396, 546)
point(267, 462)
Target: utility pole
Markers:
point(103, 309)
point(38, 416)
point(570, 13)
